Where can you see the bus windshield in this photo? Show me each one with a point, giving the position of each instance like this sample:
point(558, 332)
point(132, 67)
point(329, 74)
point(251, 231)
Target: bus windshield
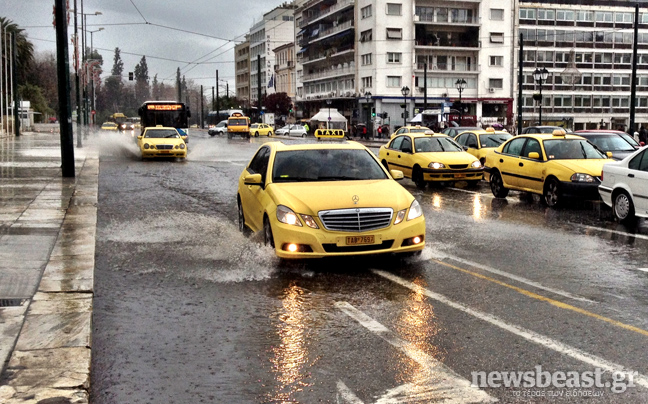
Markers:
point(170, 114)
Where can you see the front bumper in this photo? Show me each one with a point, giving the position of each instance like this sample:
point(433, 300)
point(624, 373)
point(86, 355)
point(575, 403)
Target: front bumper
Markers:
point(473, 174)
point(580, 190)
point(150, 153)
point(319, 243)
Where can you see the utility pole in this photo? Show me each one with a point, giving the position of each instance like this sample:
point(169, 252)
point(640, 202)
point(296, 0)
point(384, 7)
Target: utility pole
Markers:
point(202, 109)
point(520, 81)
point(14, 71)
point(217, 102)
point(633, 86)
point(259, 86)
point(76, 68)
point(425, 87)
point(63, 73)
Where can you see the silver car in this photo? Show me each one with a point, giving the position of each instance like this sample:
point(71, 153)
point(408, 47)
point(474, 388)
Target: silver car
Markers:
point(293, 129)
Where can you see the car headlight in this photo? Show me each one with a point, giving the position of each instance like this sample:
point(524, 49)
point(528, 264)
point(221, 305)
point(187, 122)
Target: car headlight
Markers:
point(414, 210)
point(580, 177)
point(146, 145)
point(436, 166)
point(182, 146)
point(400, 216)
point(476, 164)
point(310, 222)
point(286, 215)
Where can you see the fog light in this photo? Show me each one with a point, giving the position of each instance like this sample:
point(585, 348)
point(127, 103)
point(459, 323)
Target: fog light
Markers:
point(292, 247)
point(416, 240)
point(412, 241)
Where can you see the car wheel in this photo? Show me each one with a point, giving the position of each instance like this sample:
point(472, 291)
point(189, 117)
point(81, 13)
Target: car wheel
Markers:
point(269, 134)
point(241, 219)
point(623, 207)
point(256, 134)
point(268, 239)
point(303, 135)
point(417, 177)
point(551, 195)
point(497, 186)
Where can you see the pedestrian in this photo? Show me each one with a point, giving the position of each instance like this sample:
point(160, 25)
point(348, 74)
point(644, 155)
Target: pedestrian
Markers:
point(306, 127)
point(364, 132)
point(643, 134)
point(379, 132)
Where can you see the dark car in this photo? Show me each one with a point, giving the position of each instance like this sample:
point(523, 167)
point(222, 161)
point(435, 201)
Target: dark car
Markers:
point(542, 129)
point(609, 141)
point(453, 131)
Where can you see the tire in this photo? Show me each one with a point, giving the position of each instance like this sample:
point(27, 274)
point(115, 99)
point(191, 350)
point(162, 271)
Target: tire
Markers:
point(303, 135)
point(256, 134)
point(270, 134)
point(623, 208)
point(241, 219)
point(417, 177)
point(497, 186)
point(268, 238)
point(551, 193)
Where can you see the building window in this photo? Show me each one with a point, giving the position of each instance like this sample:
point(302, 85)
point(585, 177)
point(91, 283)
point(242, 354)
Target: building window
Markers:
point(497, 14)
point(393, 81)
point(496, 60)
point(496, 83)
point(365, 12)
point(394, 33)
point(527, 13)
point(603, 16)
point(366, 59)
point(547, 15)
point(497, 37)
point(564, 15)
point(394, 9)
point(624, 17)
point(367, 82)
point(460, 15)
point(365, 36)
point(587, 16)
point(394, 57)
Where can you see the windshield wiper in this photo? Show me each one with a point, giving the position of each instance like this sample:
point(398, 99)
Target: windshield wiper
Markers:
point(336, 178)
point(583, 150)
point(294, 179)
point(440, 145)
point(168, 136)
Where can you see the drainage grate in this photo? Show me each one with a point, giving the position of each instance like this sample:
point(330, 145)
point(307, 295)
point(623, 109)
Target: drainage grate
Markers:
point(11, 302)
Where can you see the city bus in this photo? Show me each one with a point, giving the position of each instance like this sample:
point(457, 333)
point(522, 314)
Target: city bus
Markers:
point(238, 124)
point(166, 113)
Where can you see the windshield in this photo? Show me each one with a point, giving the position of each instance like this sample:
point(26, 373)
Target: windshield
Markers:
point(611, 143)
point(161, 133)
point(571, 149)
point(494, 140)
point(326, 165)
point(435, 144)
point(237, 121)
point(629, 139)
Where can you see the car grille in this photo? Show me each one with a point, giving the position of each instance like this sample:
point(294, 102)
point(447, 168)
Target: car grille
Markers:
point(458, 166)
point(356, 220)
point(333, 248)
point(164, 146)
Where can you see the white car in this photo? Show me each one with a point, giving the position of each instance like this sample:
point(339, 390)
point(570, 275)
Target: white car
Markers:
point(293, 129)
point(624, 186)
point(219, 129)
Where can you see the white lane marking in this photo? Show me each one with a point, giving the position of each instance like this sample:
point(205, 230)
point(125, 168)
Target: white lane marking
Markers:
point(346, 394)
point(439, 380)
point(529, 335)
point(468, 191)
point(441, 255)
point(642, 269)
point(601, 229)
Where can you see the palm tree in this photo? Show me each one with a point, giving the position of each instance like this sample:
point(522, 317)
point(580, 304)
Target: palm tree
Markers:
point(24, 49)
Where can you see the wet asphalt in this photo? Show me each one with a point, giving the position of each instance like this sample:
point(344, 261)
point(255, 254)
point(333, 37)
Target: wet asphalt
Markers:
point(186, 309)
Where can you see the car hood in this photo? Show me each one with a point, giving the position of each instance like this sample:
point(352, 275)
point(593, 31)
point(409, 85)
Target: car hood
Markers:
point(620, 155)
point(593, 167)
point(156, 141)
point(460, 157)
point(312, 197)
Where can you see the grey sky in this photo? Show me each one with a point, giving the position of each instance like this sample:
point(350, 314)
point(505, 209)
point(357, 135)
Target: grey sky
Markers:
point(198, 53)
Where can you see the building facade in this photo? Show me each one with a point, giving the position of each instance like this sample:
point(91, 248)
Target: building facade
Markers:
point(242, 71)
point(587, 49)
point(284, 69)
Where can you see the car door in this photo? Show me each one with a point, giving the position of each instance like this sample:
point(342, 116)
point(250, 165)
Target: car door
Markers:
point(405, 157)
point(508, 162)
point(530, 172)
point(471, 144)
point(252, 196)
point(637, 180)
point(391, 152)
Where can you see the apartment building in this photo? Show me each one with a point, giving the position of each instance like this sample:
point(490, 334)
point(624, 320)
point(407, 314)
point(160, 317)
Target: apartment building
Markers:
point(284, 69)
point(242, 71)
point(586, 46)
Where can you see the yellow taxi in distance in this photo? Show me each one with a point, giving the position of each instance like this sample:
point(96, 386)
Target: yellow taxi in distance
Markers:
point(556, 166)
point(430, 157)
point(327, 199)
point(479, 142)
point(109, 126)
point(160, 141)
point(260, 129)
point(410, 129)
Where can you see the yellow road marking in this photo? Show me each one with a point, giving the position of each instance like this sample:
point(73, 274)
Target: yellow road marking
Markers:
point(548, 300)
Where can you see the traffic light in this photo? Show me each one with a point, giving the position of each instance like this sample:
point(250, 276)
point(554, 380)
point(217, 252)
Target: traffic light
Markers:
point(291, 108)
point(384, 115)
point(130, 76)
point(373, 112)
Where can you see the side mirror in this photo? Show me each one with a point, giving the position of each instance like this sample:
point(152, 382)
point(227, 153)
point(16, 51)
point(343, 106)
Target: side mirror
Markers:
point(609, 154)
point(253, 179)
point(397, 174)
point(534, 155)
point(140, 136)
point(465, 148)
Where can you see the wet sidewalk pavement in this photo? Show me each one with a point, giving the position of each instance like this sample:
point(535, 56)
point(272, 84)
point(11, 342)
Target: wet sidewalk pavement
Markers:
point(47, 243)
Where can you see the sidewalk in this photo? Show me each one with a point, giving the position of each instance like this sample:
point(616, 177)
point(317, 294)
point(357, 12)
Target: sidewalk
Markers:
point(47, 243)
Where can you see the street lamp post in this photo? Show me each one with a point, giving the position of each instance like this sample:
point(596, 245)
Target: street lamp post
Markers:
point(92, 106)
point(328, 102)
point(405, 91)
point(540, 77)
point(368, 99)
point(461, 85)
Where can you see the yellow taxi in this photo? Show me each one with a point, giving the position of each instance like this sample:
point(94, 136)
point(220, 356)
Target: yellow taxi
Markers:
point(480, 142)
point(109, 126)
point(238, 125)
point(556, 166)
point(410, 129)
point(160, 141)
point(430, 157)
point(327, 199)
point(260, 129)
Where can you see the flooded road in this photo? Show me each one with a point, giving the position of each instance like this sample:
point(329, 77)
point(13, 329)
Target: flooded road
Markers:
point(188, 310)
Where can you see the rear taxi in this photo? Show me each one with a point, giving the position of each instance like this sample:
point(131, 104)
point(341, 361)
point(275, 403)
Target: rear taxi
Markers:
point(410, 129)
point(480, 142)
point(112, 126)
point(161, 141)
point(430, 157)
point(327, 199)
point(260, 129)
point(556, 166)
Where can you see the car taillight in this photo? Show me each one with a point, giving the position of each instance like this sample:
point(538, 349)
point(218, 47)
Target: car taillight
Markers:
point(601, 176)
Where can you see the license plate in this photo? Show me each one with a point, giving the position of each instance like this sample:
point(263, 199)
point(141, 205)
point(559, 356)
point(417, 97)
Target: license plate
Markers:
point(355, 240)
point(165, 151)
point(460, 175)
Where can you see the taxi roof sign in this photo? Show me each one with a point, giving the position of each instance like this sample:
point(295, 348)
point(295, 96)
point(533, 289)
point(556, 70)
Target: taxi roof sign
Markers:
point(559, 132)
point(329, 133)
point(490, 129)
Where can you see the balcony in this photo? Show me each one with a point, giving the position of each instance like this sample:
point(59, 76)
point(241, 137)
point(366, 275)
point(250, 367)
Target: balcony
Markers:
point(329, 74)
point(327, 33)
point(333, 53)
point(449, 68)
point(320, 14)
